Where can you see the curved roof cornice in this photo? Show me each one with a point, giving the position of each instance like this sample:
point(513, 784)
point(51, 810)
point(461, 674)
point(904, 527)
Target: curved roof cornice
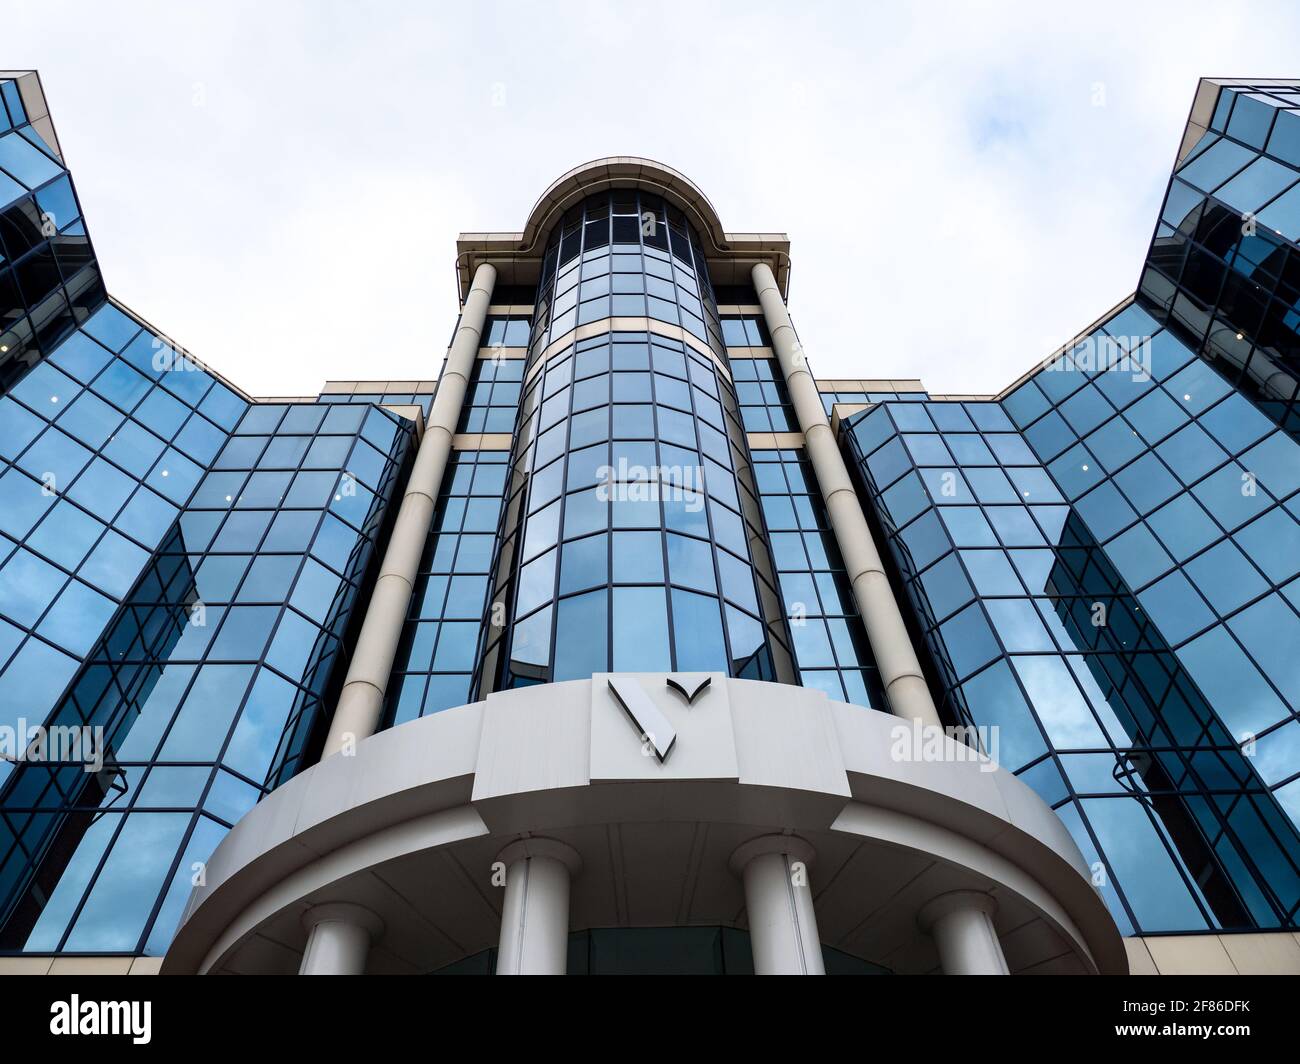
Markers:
point(623, 171)
point(517, 256)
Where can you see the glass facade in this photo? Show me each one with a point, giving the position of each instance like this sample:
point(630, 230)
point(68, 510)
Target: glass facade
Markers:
point(761, 393)
point(493, 397)
point(179, 567)
point(1100, 565)
point(1027, 595)
point(208, 683)
point(49, 281)
point(1223, 272)
point(827, 638)
point(506, 330)
point(442, 641)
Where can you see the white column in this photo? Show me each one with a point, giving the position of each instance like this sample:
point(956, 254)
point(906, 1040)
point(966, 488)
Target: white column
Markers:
point(900, 671)
point(339, 936)
point(962, 926)
point(362, 699)
point(778, 904)
point(535, 911)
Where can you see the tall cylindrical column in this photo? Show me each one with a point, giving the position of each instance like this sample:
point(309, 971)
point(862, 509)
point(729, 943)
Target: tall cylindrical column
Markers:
point(778, 903)
point(900, 671)
point(339, 936)
point(362, 699)
point(535, 912)
point(962, 926)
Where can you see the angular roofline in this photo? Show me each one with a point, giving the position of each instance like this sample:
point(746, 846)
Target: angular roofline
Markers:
point(38, 111)
point(1203, 103)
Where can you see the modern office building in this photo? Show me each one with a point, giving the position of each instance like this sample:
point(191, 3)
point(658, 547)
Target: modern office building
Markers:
point(628, 645)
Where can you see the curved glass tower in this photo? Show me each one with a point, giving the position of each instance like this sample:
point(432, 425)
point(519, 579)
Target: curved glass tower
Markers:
point(631, 538)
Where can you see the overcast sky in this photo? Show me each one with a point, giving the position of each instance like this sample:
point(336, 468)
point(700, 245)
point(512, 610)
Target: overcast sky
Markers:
point(278, 186)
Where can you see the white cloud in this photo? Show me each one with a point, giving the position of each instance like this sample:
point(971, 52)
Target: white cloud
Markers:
point(279, 186)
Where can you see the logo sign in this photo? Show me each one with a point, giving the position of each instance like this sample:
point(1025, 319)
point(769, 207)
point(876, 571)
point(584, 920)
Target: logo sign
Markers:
point(689, 687)
point(649, 718)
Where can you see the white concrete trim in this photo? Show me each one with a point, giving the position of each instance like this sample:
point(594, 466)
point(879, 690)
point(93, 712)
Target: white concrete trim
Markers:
point(433, 802)
point(324, 872)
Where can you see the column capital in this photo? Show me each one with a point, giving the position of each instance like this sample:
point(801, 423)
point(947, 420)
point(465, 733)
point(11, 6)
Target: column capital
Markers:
point(485, 278)
point(347, 913)
point(793, 845)
point(542, 847)
point(956, 901)
point(763, 277)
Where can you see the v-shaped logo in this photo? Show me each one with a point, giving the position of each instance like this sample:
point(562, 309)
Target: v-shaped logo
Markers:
point(689, 687)
point(648, 718)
